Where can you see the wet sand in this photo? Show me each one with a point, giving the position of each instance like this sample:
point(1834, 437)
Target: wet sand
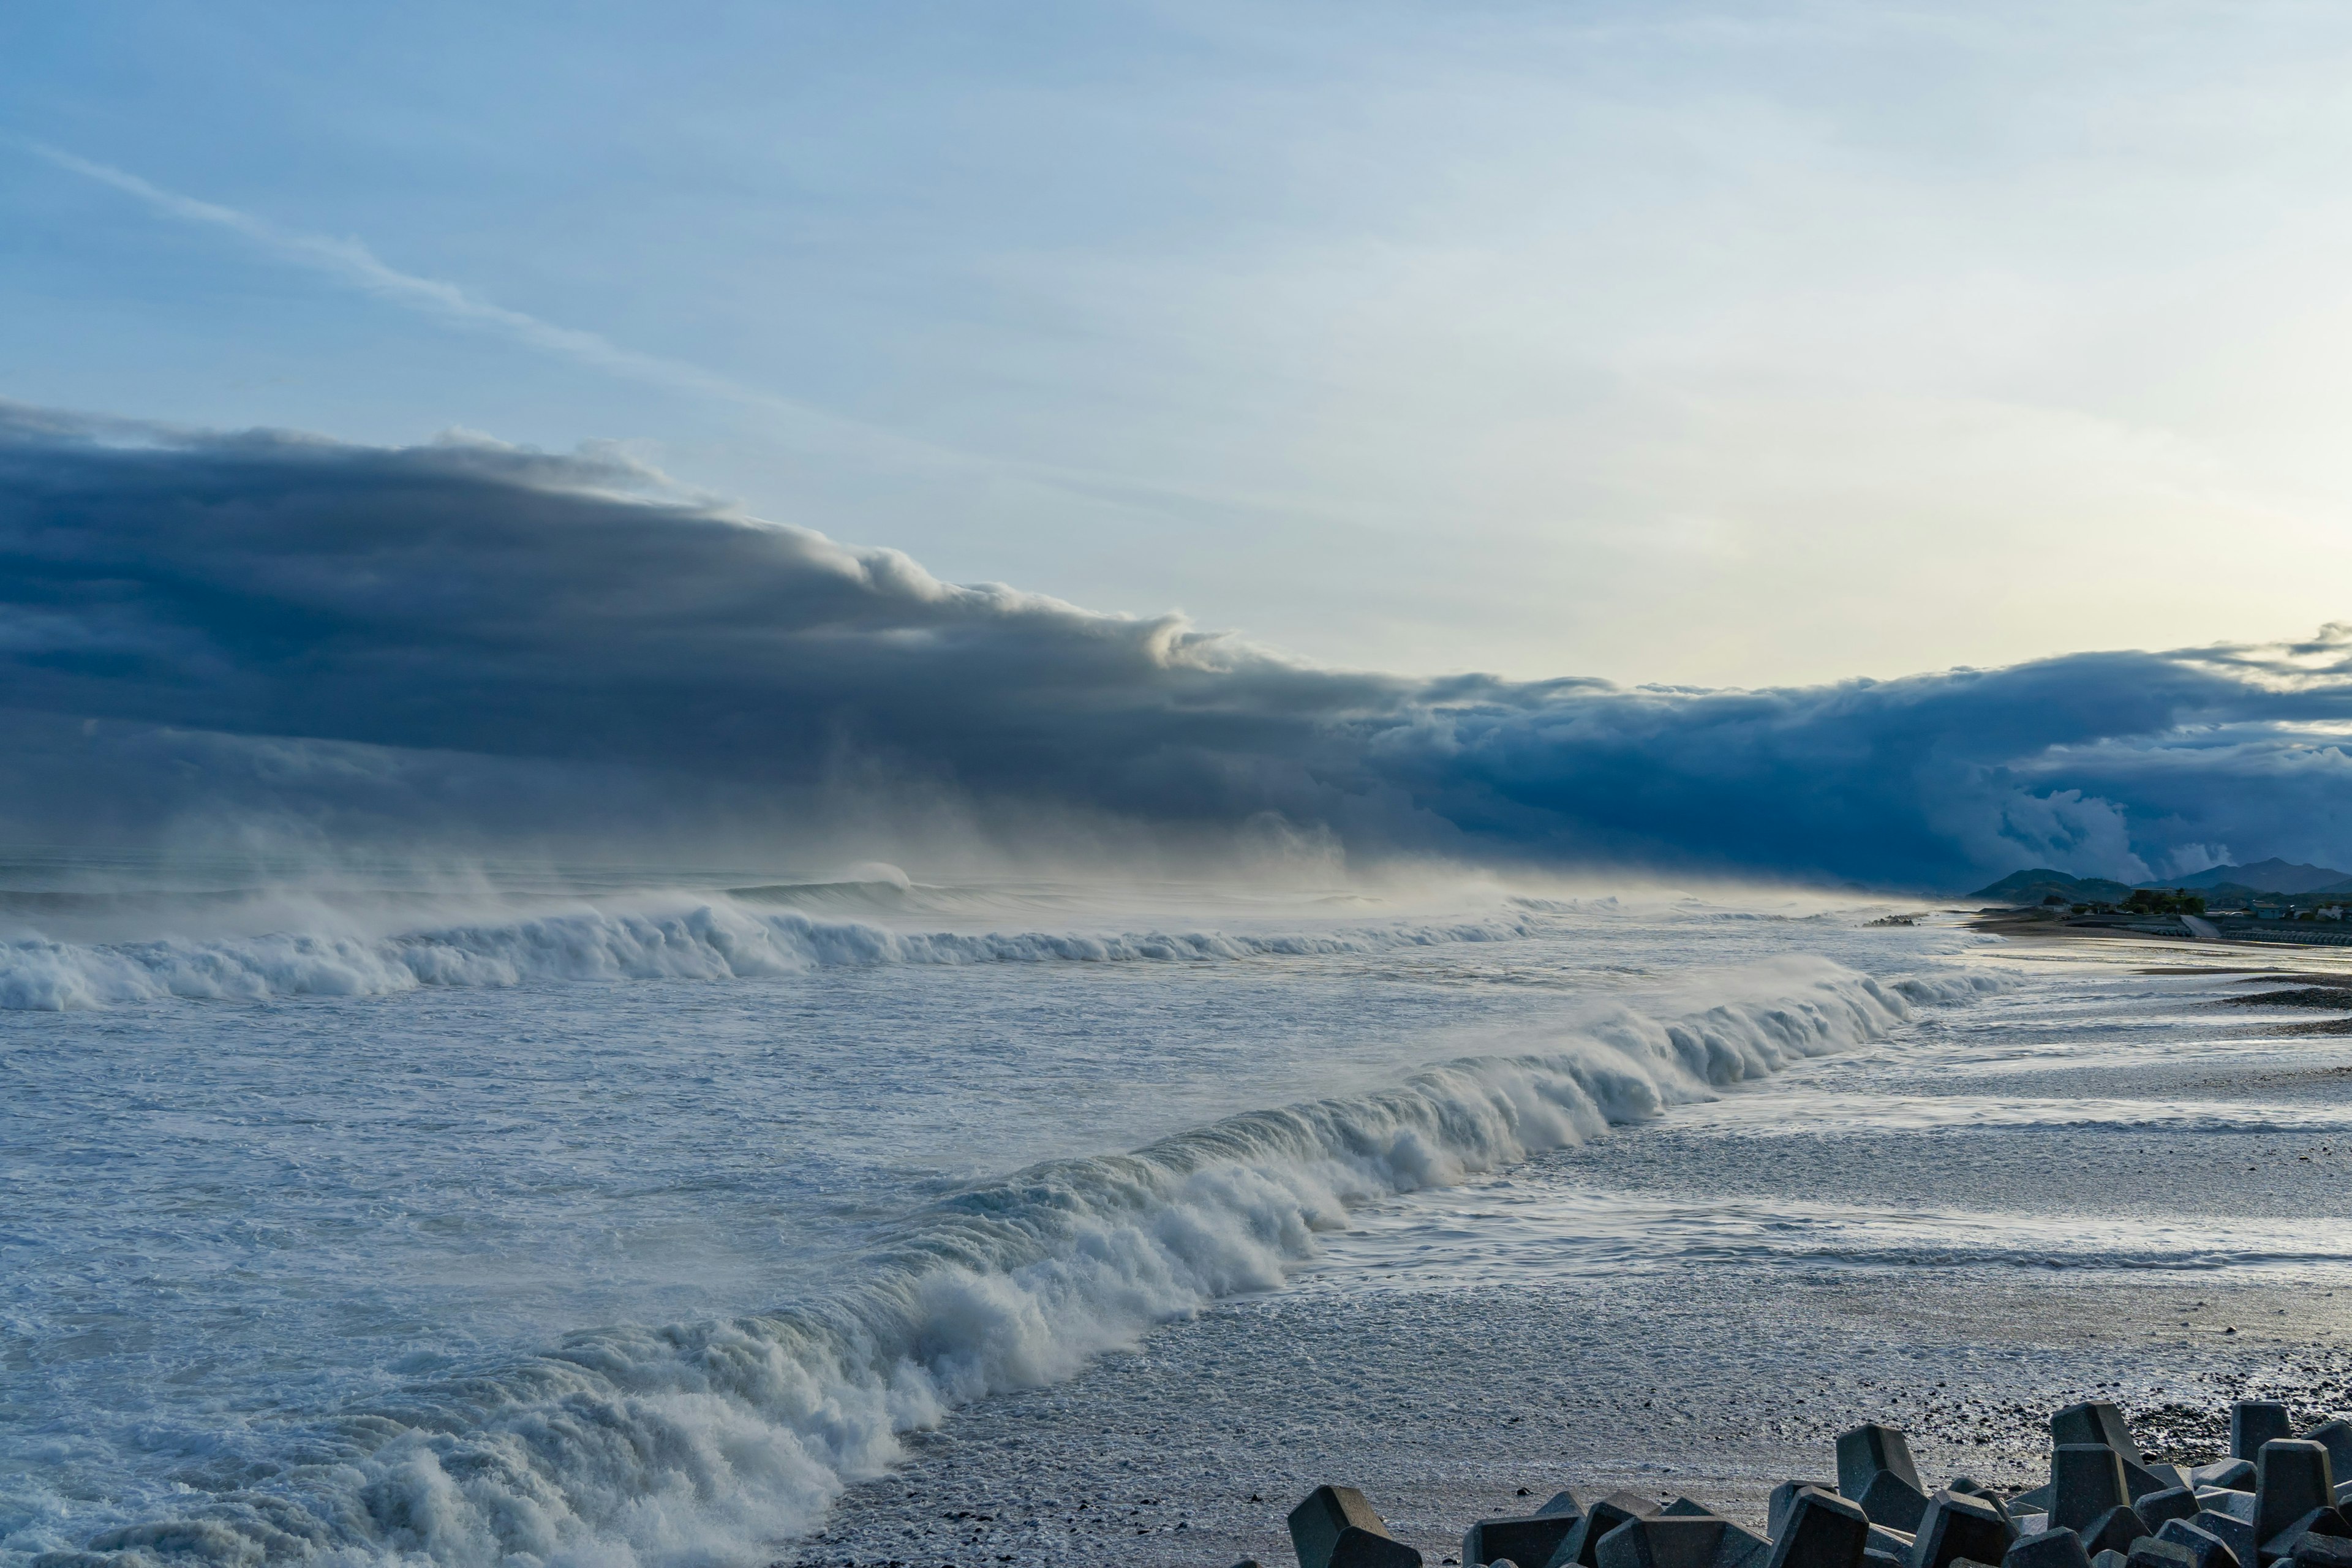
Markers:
point(1669, 1386)
point(2139, 1197)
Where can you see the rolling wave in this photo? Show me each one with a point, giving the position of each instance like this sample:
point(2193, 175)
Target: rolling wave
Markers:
point(717, 939)
point(708, 1443)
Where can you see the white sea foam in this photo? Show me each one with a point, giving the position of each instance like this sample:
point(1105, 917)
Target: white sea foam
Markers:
point(706, 1443)
point(1503, 1237)
point(716, 940)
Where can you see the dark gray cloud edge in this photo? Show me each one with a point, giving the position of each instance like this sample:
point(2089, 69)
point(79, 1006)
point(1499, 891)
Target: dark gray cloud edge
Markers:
point(470, 644)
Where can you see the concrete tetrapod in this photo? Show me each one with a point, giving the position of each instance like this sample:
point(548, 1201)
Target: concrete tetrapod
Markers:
point(2155, 1552)
point(1875, 1469)
point(1959, 1525)
point(1741, 1549)
point(2114, 1531)
point(1967, 1487)
point(1896, 1543)
point(2234, 1474)
point(2291, 1479)
point(2336, 1436)
point(1818, 1529)
point(2234, 1532)
point(1336, 1528)
point(2254, 1422)
point(2322, 1552)
point(2209, 1549)
point(2086, 1480)
point(1681, 1541)
point(2276, 1503)
point(1776, 1509)
point(2303, 1537)
point(1580, 1543)
point(1525, 1538)
point(2047, 1549)
point(2096, 1421)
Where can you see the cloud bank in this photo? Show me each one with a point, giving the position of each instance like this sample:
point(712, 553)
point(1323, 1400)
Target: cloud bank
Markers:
point(466, 643)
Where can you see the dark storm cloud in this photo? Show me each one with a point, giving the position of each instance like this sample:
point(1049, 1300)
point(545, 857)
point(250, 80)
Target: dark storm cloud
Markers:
point(467, 639)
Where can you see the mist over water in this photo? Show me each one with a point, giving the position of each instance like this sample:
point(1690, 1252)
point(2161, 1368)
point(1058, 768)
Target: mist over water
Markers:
point(540, 1120)
point(628, 1224)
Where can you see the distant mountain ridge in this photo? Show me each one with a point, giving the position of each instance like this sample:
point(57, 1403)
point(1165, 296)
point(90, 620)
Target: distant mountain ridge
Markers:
point(2223, 882)
point(2271, 876)
point(2032, 886)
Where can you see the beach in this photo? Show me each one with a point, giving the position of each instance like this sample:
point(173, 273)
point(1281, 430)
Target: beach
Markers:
point(1698, 1307)
point(839, 785)
point(667, 1229)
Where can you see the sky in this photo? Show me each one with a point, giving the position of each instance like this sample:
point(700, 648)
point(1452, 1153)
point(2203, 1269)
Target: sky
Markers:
point(481, 646)
point(1727, 345)
point(1690, 403)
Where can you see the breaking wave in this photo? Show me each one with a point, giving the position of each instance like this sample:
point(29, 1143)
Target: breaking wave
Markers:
point(713, 941)
point(708, 1443)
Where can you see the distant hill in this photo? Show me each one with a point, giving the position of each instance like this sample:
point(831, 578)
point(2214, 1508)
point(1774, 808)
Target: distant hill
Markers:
point(2032, 887)
point(2221, 884)
point(2221, 895)
point(2271, 876)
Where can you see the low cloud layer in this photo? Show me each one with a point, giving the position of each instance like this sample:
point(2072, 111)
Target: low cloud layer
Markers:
point(466, 643)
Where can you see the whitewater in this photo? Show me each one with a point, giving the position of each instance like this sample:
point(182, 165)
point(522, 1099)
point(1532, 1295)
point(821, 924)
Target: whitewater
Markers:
point(646, 1226)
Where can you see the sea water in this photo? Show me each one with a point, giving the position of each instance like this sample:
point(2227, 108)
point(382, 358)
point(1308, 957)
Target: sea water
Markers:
point(628, 1224)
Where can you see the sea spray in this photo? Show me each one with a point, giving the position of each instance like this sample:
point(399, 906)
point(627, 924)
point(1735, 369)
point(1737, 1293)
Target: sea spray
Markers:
point(720, 940)
point(706, 1443)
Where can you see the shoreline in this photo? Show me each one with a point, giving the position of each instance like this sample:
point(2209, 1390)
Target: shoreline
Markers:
point(1569, 1393)
point(2031, 924)
point(1700, 1369)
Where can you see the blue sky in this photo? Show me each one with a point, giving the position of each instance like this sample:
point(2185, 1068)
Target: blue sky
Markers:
point(1708, 344)
point(1895, 444)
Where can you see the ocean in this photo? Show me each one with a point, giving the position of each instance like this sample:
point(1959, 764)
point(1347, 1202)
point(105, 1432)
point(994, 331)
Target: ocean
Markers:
point(654, 1218)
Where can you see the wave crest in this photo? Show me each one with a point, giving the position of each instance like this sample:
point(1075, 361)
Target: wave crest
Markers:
point(708, 1442)
point(716, 941)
